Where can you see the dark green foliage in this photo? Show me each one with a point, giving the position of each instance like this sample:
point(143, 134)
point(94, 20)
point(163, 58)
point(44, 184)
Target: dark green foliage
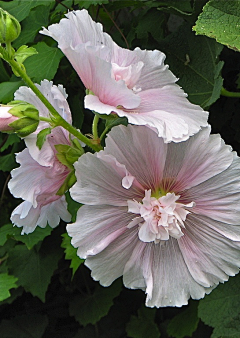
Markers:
point(45, 290)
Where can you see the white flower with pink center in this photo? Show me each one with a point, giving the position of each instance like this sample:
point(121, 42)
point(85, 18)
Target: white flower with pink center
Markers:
point(163, 216)
point(134, 84)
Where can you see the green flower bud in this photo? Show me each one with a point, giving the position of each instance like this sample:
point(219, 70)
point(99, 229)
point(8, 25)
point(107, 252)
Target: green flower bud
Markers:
point(9, 27)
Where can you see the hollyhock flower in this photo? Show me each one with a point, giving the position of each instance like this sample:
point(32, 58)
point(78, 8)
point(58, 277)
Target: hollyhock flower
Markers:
point(38, 186)
point(163, 216)
point(6, 118)
point(57, 96)
point(135, 84)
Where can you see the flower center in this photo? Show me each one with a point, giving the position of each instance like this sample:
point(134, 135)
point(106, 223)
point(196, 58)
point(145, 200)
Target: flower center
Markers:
point(159, 218)
point(129, 74)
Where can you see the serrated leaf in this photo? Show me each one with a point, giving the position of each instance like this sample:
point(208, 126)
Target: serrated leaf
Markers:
point(194, 60)
point(90, 309)
point(4, 76)
point(34, 268)
point(11, 139)
point(5, 231)
point(7, 89)
point(44, 65)
point(143, 325)
point(33, 238)
point(41, 137)
point(220, 20)
point(185, 323)
point(24, 52)
point(87, 3)
point(26, 326)
point(7, 162)
point(20, 8)
point(7, 283)
point(71, 253)
point(219, 309)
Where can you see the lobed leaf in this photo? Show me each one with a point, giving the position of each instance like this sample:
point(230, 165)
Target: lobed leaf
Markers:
point(7, 282)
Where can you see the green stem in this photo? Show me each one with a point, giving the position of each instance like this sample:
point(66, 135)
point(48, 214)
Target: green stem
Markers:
point(45, 119)
point(95, 127)
point(225, 92)
point(104, 133)
point(57, 118)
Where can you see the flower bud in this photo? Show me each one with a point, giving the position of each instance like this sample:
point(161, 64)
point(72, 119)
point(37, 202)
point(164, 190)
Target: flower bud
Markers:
point(6, 118)
point(9, 27)
point(20, 117)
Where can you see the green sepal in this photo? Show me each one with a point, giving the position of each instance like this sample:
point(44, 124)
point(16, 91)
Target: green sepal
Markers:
point(24, 126)
point(23, 53)
point(23, 109)
point(41, 137)
point(68, 183)
point(67, 154)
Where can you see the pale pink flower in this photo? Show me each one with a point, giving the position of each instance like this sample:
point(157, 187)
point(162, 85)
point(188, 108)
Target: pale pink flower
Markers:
point(6, 118)
point(163, 216)
point(38, 185)
point(135, 84)
point(57, 96)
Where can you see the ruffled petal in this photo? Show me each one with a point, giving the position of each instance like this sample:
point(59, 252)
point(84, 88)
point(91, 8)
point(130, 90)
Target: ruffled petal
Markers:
point(210, 257)
point(161, 271)
point(96, 227)
point(220, 200)
point(99, 182)
point(189, 167)
point(142, 152)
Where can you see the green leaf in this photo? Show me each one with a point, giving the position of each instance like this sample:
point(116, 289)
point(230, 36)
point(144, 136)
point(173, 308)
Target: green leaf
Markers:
point(219, 309)
point(33, 238)
point(5, 231)
point(7, 282)
point(7, 162)
point(4, 76)
point(71, 253)
point(21, 8)
point(194, 60)
point(73, 206)
point(34, 268)
point(37, 18)
point(87, 3)
point(185, 323)
point(23, 53)
point(44, 65)
point(41, 137)
point(7, 89)
point(26, 326)
point(91, 308)
point(220, 20)
point(11, 139)
point(143, 325)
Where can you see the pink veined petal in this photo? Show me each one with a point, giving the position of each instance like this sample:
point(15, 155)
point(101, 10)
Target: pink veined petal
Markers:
point(98, 183)
point(109, 264)
point(151, 268)
point(211, 257)
point(220, 200)
point(141, 150)
point(96, 227)
point(191, 167)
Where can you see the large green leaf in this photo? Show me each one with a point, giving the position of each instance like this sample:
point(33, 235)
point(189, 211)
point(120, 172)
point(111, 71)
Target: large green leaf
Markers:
point(7, 283)
point(220, 309)
point(185, 323)
point(37, 18)
point(43, 65)
point(7, 162)
point(7, 89)
point(221, 20)
point(34, 268)
point(91, 308)
point(194, 60)
point(26, 326)
point(143, 325)
point(21, 8)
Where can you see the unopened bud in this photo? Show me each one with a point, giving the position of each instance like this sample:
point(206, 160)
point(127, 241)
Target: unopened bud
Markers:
point(9, 27)
point(6, 118)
